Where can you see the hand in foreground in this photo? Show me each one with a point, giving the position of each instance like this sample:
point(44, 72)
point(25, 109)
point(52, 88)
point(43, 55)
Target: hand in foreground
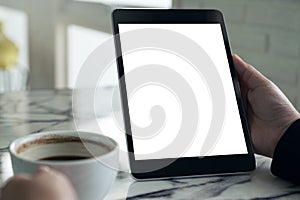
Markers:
point(269, 111)
point(45, 184)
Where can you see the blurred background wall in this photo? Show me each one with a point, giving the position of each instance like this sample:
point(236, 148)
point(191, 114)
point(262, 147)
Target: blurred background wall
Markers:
point(266, 33)
point(56, 36)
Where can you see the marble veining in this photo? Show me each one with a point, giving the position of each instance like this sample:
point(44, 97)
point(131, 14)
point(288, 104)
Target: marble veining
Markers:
point(23, 113)
point(257, 185)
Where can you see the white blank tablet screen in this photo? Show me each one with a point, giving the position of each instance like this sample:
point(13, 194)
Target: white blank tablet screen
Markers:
point(141, 101)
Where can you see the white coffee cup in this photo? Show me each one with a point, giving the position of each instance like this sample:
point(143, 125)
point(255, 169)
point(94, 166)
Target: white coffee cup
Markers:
point(91, 176)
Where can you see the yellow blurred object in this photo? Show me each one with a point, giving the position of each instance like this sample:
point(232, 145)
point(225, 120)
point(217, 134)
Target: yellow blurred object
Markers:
point(8, 51)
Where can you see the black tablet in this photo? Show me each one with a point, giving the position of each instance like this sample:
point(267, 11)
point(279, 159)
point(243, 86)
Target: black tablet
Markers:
point(180, 94)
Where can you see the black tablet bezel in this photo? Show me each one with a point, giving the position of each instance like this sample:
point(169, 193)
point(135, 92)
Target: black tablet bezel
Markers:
point(182, 166)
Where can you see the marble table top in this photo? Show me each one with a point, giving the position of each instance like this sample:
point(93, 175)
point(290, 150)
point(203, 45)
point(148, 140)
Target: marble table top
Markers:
point(23, 113)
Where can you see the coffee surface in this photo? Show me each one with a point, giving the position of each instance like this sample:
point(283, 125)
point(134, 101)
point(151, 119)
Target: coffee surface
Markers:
point(59, 139)
point(64, 158)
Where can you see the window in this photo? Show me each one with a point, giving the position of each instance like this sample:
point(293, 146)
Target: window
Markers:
point(61, 34)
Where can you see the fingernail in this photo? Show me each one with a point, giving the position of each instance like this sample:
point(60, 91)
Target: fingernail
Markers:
point(239, 57)
point(43, 169)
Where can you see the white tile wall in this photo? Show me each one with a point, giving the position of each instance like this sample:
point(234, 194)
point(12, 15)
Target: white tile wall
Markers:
point(266, 33)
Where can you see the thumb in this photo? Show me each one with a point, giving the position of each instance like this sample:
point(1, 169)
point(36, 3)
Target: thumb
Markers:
point(248, 74)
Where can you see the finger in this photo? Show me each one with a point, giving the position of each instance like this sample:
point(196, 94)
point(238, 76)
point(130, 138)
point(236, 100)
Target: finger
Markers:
point(249, 75)
point(53, 183)
point(243, 86)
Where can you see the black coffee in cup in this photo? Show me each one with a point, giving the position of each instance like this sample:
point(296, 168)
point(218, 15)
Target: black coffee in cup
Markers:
point(64, 158)
point(60, 148)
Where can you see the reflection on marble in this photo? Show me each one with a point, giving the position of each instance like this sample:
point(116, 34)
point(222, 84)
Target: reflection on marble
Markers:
point(25, 113)
point(259, 184)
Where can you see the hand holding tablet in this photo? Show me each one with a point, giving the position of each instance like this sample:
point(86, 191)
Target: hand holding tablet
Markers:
point(181, 101)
